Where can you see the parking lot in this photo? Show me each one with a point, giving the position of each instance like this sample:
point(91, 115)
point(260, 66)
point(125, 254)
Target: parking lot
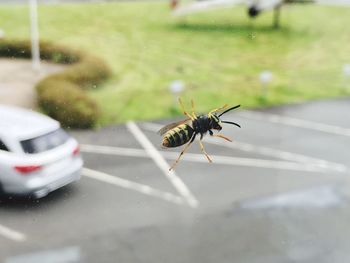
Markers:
point(278, 193)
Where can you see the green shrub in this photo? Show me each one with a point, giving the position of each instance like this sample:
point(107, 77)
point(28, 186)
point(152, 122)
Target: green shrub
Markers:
point(62, 95)
point(48, 51)
point(88, 73)
point(65, 101)
point(16, 49)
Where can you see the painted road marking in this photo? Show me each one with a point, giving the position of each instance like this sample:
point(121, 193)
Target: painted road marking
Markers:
point(64, 255)
point(249, 162)
point(220, 159)
point(247, 147)
point(284, 155)
point(141, 188)
point(162, 164)
point(300, 123)
point(113, 150)
point(12, 234)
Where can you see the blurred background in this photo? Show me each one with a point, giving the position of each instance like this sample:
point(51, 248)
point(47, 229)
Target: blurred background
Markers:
point(108, 74)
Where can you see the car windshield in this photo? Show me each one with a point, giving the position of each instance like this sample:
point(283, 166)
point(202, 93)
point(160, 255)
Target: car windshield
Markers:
point(44, 142)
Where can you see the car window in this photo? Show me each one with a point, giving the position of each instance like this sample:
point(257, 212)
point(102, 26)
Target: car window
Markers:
point(45, 142)
point(3, 147)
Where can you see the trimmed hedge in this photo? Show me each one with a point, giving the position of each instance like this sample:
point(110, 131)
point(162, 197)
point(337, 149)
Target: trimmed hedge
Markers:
point(62, 95)
point(67, 103)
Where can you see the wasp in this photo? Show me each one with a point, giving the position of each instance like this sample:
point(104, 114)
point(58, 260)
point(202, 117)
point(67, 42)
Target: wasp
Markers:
point(185, 131)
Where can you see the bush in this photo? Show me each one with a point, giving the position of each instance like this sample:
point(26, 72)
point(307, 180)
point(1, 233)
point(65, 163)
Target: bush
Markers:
point(63, 100)
point(88, 73)
point(62, 95)
point(48, 51)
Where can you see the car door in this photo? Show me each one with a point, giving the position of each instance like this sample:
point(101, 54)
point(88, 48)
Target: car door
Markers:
point(5, 163)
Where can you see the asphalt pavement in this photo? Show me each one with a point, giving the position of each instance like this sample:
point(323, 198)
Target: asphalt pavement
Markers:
point(279, 193)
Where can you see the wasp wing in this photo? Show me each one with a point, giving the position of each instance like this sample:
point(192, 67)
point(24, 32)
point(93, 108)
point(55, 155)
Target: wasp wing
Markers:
point(172, 125)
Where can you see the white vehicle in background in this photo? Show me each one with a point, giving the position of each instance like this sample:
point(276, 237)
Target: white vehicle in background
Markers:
point(36, 155)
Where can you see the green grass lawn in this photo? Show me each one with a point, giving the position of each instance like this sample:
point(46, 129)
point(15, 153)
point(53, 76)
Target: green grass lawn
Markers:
point(219, 54)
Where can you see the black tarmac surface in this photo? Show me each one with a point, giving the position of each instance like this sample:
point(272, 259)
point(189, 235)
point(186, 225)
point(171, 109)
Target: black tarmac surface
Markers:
point(279, 193)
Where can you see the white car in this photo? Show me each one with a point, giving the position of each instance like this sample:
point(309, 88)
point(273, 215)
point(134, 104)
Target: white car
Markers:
point(36, 155)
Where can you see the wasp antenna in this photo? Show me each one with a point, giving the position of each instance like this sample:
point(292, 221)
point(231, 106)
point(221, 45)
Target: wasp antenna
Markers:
point(229, 122)
point(235, 107)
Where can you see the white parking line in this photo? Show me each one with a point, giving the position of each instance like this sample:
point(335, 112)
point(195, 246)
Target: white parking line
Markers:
point(141, 188)
point(113, 150)
point(247, 147)
point(284, 155)
point(224, 160)
point(162, 164)
point(12, 234)
point(63, 255)
point(249, 162)
point(288, 156)
point(285, 120)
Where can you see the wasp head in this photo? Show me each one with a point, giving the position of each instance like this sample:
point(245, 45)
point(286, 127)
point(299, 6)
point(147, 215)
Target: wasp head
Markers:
point(215, 122)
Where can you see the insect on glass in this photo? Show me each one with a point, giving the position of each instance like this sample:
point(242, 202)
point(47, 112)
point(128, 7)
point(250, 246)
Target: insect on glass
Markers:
point(185, 131)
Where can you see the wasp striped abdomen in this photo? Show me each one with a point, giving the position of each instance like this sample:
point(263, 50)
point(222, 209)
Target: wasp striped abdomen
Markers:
point(178, 136)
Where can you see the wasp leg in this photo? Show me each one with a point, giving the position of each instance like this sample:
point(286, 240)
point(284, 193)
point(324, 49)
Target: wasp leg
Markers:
point(183, 151)
point(193, 110)
point(184, 111)
point(219, 135)
point(218, 109)
point(204, 152)
point(222, 136)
